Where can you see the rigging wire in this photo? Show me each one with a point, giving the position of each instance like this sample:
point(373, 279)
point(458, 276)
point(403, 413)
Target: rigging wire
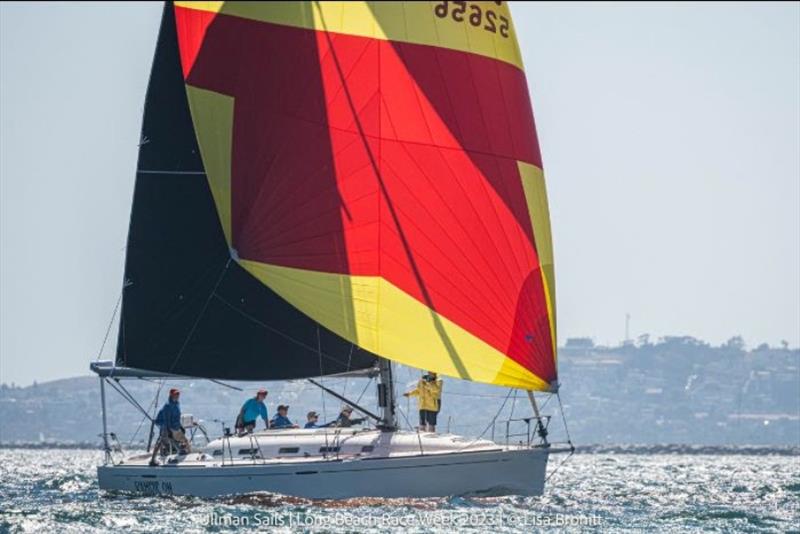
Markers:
point(569, 440)
point(153, 423)
point(482, 395)
point(564, 419)
point(419, 437)
point(223, 384)
point(110, 324)
point(127, 396)
point(372, 379)
point(491, 423)
point(275, 330)
point(545, 402)
point(349, 362)
point(150, 406)
point(513, 404)
point(200, 315)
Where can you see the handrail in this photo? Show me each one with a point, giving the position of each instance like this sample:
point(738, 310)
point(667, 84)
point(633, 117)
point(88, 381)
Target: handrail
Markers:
point(542, 424)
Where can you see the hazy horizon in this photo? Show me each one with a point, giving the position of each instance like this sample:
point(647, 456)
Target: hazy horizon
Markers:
point(670, 136)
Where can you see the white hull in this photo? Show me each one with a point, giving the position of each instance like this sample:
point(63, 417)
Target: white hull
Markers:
point(453, 466)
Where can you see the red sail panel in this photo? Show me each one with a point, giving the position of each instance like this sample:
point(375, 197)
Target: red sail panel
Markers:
point(368, 157)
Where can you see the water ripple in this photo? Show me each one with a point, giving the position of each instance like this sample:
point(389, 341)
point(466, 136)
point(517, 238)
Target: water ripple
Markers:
point(56, 490)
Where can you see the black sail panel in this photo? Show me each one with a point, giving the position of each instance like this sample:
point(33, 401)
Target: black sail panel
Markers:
point(188, 307)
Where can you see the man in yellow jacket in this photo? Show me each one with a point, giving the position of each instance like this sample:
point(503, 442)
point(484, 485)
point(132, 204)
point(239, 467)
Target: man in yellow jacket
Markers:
point(429, 391)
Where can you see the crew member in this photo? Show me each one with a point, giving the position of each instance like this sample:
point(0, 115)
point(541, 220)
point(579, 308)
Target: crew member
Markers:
point(281, 419)
point(312, 419)
point(169, 425)
point(251, 410)
point(344, 420)
point(429, 393)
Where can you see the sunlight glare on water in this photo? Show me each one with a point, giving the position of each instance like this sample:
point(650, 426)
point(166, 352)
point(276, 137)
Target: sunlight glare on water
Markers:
point(56, 490)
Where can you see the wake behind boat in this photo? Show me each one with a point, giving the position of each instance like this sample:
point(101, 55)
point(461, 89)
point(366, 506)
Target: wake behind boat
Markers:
point(324, 188)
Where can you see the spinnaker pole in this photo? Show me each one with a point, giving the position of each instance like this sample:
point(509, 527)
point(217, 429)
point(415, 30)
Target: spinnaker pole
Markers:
point(345, 399)
point(540, 428)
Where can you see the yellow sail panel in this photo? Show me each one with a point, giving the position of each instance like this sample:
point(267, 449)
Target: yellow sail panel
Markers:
point(536, 198)
point(379, 317)
point(213, 116)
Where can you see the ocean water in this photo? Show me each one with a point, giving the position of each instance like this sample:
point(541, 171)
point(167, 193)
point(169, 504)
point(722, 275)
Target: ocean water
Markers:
point(55, 490)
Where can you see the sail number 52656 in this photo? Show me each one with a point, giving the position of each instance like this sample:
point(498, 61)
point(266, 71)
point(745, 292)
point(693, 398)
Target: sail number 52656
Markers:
point(487, 19)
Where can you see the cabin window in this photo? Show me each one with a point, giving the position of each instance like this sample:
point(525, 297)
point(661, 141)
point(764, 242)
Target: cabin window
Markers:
point(288, 450)
point(248, 452)
point(367, 448)
point(328, 449)
point(217, 452)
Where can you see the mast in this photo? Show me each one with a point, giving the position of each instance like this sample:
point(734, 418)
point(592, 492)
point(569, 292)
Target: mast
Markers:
point(386, 397)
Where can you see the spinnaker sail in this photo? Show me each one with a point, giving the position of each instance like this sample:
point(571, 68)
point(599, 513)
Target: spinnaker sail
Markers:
point(315, 176)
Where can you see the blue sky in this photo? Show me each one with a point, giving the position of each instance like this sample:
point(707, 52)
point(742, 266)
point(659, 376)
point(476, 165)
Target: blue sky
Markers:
point(670, 135)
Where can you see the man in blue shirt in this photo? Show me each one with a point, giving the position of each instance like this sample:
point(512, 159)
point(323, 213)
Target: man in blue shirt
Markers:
point(281, 419)
point(312, 419)
point(169, 424)
point(251, 410)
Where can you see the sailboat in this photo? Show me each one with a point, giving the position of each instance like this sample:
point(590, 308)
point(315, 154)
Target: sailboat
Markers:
point(328, 188)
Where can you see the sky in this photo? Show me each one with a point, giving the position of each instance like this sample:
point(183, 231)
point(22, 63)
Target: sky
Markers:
point(670, 136)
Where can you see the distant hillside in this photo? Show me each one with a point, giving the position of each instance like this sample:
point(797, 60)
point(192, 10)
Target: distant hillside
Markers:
point(679, 390)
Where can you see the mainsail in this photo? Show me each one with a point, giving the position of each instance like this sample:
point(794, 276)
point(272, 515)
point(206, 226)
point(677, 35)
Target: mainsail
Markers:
point(318, 176)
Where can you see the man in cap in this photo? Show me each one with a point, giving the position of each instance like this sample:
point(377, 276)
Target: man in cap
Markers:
point(311, 420)
point(281, 419)
point(251, 410)
point(344, 419)
point(169, 425)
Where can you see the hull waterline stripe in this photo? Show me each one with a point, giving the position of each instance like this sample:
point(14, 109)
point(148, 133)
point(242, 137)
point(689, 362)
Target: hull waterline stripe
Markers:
point(331, 472)
point(173, 474)
point(326, 462)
